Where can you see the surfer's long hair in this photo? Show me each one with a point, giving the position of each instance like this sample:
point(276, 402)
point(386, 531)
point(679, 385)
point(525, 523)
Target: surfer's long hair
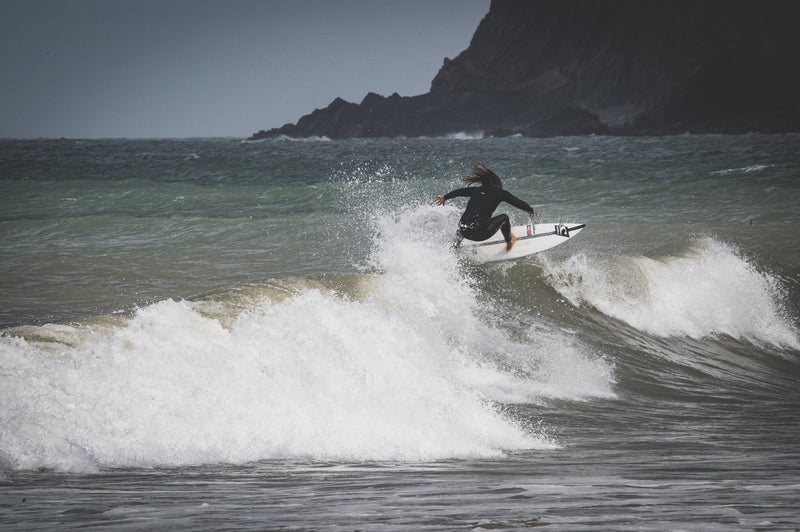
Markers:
point(484, 176)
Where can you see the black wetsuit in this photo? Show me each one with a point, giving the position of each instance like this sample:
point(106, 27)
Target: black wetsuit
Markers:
point(477, 222)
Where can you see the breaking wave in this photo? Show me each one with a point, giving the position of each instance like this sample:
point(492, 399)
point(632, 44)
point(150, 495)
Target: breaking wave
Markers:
point(402, 364)
point(710, 289)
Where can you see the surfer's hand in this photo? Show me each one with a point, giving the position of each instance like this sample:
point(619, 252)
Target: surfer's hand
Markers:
point(439, 200)
point(533, 214)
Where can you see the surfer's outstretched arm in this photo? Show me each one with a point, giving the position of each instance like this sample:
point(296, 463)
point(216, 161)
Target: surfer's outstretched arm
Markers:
point(511, 199)
point(459, 192)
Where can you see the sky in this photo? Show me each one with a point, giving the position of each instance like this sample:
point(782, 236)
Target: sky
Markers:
point(212, 68)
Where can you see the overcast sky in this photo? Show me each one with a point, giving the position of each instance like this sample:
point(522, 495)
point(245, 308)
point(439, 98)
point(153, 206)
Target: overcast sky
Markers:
point(185, 68)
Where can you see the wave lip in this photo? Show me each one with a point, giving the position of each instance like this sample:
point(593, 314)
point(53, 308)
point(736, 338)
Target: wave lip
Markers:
point(710, 289)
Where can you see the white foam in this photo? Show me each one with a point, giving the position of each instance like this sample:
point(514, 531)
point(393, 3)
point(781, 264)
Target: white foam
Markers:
point(709, 290)
point(315, 376)
point(743, 170)
point(286, 138)
point(424, 280)
point(410, 370)
point(466, 135)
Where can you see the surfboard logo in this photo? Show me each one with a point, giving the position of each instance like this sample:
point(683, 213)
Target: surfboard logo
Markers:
point(562, 230)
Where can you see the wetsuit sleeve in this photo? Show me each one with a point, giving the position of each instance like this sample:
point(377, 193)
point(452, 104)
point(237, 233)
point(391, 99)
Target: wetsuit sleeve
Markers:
point(511, 199)
point(459, 192)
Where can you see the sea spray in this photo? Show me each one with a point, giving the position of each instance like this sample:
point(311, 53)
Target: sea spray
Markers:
point(427, 279)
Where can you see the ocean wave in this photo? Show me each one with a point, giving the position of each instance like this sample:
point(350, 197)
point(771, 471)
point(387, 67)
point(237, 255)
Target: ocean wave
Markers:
point(709, 289)
point(286, 138)
point(315, 376)
point(402, 364)
point(465, 135)
point(743, 170)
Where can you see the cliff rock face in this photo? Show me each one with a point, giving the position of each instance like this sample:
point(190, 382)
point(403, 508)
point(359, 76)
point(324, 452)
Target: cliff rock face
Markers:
point(573, 67)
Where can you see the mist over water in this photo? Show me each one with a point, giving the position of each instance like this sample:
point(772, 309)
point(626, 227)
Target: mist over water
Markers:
point(271, 313)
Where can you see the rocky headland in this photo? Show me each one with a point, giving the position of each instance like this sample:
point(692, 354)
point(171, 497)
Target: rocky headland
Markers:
point(620, 67)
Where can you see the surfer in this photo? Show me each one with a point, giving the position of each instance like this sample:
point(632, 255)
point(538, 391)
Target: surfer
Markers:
point(477, 222)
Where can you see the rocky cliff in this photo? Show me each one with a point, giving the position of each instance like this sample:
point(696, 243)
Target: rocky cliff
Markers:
point(573, 67)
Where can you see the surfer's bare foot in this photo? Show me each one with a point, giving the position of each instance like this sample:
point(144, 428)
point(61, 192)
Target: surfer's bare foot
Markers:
point(510, 245)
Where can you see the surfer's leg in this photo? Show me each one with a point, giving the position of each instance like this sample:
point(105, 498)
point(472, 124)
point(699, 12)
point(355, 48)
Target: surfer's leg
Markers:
point(504, 224)
point(459, 238)
point(500, 222)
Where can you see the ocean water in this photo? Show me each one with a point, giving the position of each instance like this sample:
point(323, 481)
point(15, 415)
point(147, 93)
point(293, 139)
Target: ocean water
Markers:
point(214, 334)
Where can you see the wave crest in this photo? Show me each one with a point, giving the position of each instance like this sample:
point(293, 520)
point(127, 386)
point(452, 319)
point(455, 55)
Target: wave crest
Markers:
point(710, 289)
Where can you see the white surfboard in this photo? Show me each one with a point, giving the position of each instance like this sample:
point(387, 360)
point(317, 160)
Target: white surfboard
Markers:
point(531, 238)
